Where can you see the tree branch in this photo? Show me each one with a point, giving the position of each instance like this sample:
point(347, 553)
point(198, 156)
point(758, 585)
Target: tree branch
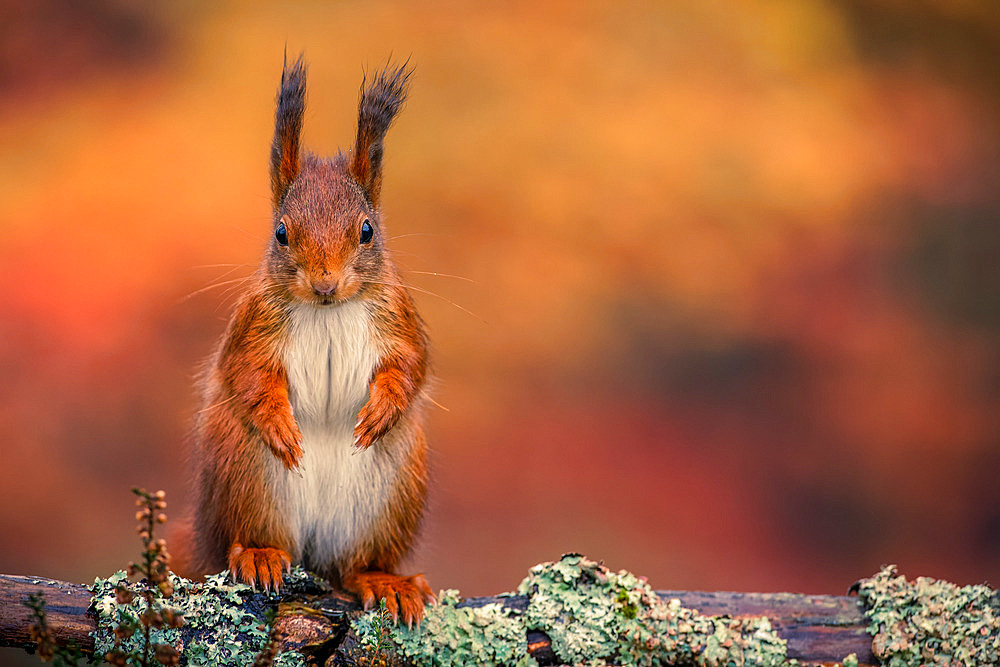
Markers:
point(818, 628)
point(65, 603)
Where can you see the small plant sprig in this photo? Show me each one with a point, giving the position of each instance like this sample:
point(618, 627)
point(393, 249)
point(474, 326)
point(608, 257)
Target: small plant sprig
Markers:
point(376, 643)
point(266, 657)
point(154, 575)
point(45, 642)
point(155, 559)
point(382, 628)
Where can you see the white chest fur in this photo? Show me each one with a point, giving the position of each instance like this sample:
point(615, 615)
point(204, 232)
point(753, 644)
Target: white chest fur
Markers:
point(329, 358)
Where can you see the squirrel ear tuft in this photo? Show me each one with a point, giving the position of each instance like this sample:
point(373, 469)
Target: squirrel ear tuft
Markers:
point(285, 149)
point(381, 100)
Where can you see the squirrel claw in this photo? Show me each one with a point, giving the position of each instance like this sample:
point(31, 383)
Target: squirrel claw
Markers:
point(265, 566)
point(374, 421)
point(283, 437)
point(404, 597)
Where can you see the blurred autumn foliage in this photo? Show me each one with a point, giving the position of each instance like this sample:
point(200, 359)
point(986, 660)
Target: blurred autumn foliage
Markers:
point(735, 289)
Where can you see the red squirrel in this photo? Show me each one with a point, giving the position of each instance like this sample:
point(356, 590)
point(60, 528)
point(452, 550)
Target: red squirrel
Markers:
point(310, 446)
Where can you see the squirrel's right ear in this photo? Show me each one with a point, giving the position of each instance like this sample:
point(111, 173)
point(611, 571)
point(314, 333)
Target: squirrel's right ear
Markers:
point(381, 99)
point(285, 149)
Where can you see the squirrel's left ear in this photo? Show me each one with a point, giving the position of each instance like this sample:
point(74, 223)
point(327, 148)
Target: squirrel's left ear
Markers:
point(285, 149)
point(380, 101)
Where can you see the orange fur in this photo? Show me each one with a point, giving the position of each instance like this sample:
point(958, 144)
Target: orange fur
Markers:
point(404, 596)
point(247, 421)
point(259, 565)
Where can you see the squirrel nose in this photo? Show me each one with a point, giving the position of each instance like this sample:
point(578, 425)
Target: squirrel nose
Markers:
point(324, 286)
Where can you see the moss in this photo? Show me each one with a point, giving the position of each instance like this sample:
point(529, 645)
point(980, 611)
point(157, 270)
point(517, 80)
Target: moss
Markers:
point(927, 621)
point(225, 623)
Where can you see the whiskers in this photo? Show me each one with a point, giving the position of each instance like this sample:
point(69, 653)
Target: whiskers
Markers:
point(234, 283)
point(276, 290)
point(403, 236)
point(443, 275)
point(430, 293)
point(216, 405)
point(438, 404)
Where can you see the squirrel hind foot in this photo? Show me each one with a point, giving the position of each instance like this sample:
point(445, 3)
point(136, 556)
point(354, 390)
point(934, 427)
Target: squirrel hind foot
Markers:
point(404, 597)
point(265, 566)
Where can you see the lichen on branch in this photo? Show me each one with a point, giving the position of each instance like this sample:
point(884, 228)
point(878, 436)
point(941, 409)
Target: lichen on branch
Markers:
point(593, 616)
point(450, 634)
point(225, 623)
point(930, 622)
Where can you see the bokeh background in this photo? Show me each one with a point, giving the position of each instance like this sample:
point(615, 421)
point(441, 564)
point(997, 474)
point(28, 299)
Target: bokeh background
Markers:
point(727, 305)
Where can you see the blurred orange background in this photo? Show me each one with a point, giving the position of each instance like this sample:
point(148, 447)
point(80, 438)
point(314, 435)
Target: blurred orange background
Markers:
point(732, 308)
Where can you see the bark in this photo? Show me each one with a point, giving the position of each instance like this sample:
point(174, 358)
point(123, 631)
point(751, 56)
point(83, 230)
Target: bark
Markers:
point(66, 605)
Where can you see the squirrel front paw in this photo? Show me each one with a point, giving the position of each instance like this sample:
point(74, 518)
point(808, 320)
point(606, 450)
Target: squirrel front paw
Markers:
point(374, 421)
point(259, 565)
point(281, 434)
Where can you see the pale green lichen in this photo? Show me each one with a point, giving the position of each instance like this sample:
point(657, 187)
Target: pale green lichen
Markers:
point(224, 623)
point(930, 622)
point(593, 617)
point(452, 635)
point(596, 616)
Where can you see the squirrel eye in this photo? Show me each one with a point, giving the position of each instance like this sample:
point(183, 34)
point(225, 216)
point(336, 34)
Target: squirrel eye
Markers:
point(281, 234)
point(366, 232)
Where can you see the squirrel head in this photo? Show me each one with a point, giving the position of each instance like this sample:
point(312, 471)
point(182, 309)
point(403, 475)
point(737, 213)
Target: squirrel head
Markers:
point(328, 242)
